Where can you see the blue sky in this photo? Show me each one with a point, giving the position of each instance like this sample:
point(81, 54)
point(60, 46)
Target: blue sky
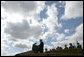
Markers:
point(56, 22)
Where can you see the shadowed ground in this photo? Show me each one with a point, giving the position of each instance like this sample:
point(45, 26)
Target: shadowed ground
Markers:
point(75, 52)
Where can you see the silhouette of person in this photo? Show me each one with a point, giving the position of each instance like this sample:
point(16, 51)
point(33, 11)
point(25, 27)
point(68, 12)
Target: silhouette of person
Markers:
point(78, 45)
point(45, 49)
point(41, 46)
point(71, 46)
point(34, 47)
point(66, 47)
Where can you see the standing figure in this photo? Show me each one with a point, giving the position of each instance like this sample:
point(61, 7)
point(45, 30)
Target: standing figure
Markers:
point(71, 46)
point(66, 47)
point(41, 46)
point(78, 45)
point(45, 49)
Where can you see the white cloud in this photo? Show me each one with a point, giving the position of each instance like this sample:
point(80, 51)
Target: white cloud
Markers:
point(66, 30)
point(51, 22)
point(20, 32)
point(5, 48)
point(22, 10)
point(73, 9)
point(60, 37)
point(57, 36)
point(21, 7)
point(25, 8)
point(59, 43)
point(48, 47)
point(52, 19)
point(77, 36)
point(16, 27)
point(15, 30)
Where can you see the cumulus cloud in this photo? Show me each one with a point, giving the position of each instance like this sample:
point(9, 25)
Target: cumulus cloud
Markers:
point(72, 38)
point(25, 8)
point(59, 43)
point(78, 34)
point(57, 36)
point(60, 37)
point(48, 47)
point(51, 22)
point(16, 27)
point(52, 19)
point(22, 30)
point(19, 6)
point(73, 9)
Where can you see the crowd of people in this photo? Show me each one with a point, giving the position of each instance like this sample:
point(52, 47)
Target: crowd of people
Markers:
point(39, 48)
point(71, 47)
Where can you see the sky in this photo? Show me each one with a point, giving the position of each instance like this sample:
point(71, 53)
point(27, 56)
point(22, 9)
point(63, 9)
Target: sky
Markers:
point(25, 22)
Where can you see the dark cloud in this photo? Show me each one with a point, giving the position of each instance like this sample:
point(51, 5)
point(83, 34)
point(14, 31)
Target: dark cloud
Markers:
point(22, 30)
point(21, 46)
point(23, 7)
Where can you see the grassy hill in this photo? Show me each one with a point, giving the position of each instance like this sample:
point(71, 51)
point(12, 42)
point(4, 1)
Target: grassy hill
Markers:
point(72, 52)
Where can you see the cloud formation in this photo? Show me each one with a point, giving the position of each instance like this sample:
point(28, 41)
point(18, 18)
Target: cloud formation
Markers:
point(16, 26)
point(73, 9)
point(52, 19)
point(21, 46)
point(77, 36)
point(22, 30)
point(25, 8)
point(21, 7)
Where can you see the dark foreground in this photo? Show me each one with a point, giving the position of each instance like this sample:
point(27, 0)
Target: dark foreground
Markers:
point(75, 52)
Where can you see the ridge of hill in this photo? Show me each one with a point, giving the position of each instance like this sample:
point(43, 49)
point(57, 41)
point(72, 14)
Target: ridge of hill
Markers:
point(72, 52)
